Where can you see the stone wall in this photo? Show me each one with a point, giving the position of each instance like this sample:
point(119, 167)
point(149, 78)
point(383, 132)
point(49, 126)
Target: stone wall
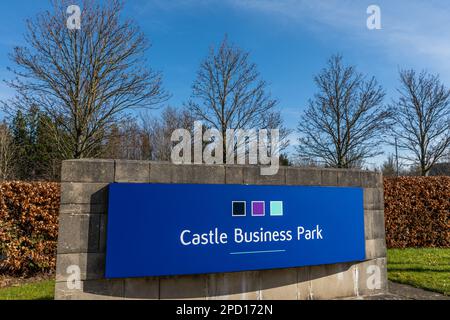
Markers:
point(82, 236)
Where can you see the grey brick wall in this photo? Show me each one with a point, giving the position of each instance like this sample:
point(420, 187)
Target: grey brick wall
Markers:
point(82, 236)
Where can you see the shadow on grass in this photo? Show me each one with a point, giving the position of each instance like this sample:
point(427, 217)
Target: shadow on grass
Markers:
point(417, 269)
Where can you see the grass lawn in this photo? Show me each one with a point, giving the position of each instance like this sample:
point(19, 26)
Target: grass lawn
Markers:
point(426, 268)
point(42, 290)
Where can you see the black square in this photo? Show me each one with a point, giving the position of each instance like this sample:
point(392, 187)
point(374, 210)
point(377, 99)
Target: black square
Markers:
point(239, 209)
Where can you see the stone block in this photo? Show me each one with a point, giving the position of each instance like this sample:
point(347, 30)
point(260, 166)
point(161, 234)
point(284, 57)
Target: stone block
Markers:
point(374, 224)
point(303, 176)
point(373, 199)
point(201, 174)
point(91, 290)
point(195, 174)
point(370, 179)
point(79, 233)
point(142, 288)
point(329, 177)
point(87, 170)
point(84, 193)
point(349, 178)
point(234, 174)
point(102, 233)
point(74, 209)
point(128, 171)
point(92, 265)
point(279, 284)
point(304, 283)
point(333, 281)
point(375, 248)
point(252, 175)
point(183, 287)
point(161, 172)
point(372, 277)
point(234, 286)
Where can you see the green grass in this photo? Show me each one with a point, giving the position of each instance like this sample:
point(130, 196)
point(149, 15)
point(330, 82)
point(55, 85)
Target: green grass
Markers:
point(426, 268)
point(42, 290)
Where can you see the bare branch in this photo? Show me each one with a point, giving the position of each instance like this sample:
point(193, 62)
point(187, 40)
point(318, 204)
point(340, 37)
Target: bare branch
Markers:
point(422, 118)
point(87, 79)
point(344, 122)
point(229, 94)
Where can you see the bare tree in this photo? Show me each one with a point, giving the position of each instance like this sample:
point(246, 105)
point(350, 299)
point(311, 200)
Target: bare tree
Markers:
point(343, 123)
point(86, 79)
point(422, 119)
point(273, 120)
point(146, 138)
point(229, 94)
point(7, 153)
point(389, 167)
point(158, 131)
point(125, 140)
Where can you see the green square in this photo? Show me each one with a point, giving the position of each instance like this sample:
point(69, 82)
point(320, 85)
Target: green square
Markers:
point(276, 208)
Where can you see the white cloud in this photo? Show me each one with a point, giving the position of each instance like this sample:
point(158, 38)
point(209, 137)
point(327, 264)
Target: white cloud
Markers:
point(413, 32)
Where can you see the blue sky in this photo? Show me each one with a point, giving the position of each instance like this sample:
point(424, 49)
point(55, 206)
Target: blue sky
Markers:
point(289, 40)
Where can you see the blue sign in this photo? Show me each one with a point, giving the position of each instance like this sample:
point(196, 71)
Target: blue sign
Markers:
point(177, 229)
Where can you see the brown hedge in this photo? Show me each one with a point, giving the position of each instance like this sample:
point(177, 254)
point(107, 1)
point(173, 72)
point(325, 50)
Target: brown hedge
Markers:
point(417, 211)
point(28, 227)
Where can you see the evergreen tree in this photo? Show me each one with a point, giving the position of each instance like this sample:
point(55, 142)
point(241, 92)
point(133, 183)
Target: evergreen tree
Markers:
point(47, 160)
point(23, 145)
point(37, 158)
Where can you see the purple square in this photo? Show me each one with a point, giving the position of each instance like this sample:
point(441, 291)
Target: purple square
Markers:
point(258, 208)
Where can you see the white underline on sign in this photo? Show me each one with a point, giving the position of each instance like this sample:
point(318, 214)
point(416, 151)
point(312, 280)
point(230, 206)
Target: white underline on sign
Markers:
point(252, 252)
